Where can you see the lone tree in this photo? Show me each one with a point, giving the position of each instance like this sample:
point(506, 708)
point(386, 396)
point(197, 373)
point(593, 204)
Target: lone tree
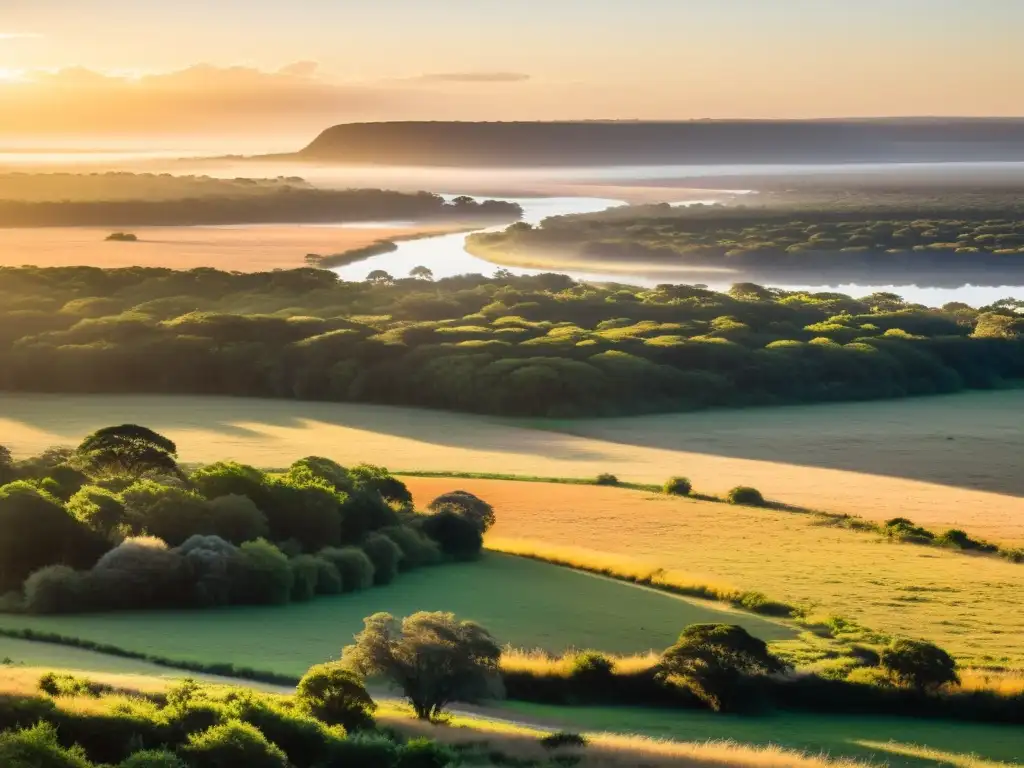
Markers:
point(380, 277)
point(337, 696)
point(129, 449)
point(421, 273)
point(433, 658)
point(713, 660)
point(920, 665)
point(467, 505)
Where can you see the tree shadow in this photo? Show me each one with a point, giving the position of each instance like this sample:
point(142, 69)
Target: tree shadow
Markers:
point(970, 440)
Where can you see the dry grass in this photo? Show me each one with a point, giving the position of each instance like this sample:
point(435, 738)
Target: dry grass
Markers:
point(875, 460)
point(967, 604)
point(236, 248)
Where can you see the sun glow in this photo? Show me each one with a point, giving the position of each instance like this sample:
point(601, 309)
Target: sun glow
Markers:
point(8, 75)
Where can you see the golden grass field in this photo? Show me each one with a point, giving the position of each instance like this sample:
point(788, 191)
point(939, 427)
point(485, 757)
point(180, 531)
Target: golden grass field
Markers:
point(243, 248)
point(876, 460)
point(967, 604)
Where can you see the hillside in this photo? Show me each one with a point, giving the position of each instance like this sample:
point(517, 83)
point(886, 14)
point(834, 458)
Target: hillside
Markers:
point(655, 143)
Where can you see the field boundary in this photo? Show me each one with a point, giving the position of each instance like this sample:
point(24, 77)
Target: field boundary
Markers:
point(904, 532)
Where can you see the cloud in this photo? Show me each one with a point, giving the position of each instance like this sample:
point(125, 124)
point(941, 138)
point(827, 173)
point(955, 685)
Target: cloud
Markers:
point(473, 77)
point(201, 98)
point(18, 35)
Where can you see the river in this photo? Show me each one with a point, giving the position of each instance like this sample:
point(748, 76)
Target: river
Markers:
point(446, 256)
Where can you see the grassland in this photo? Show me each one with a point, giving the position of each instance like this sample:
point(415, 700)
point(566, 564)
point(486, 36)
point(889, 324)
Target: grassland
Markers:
point(967, 604)
point(523, 603)
point(253, 248)
point(891, 740)
point(942, 462)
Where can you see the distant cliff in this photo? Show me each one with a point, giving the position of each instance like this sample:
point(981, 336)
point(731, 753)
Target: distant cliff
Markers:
point(657, 143)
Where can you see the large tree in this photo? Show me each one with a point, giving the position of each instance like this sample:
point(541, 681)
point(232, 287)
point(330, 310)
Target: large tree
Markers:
point(920, 665)
point(434, 659)
point(713, 660)
point(131, 450)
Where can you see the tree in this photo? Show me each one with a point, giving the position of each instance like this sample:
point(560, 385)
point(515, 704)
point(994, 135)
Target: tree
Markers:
point(421, 273)
point(129, 449)
point(233, 743)
point(458, 537)
point(337, 696)
point(236, 519)
point(467, 505)
point(380, 277)
point(35, 530)
point(434, 659)
point(678, 486)
point(99, 509)
point(920, 665)
point(713, 660)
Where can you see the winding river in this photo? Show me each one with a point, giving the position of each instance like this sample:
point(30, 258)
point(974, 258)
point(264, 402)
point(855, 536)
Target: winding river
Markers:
point(446, 256)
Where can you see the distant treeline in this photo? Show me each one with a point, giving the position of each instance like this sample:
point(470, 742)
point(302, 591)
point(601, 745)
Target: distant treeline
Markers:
point(284, 204)
point(531, 346)
point(798, 245)
point(704, 142)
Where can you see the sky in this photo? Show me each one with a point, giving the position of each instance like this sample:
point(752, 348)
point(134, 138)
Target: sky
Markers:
point(292, 67)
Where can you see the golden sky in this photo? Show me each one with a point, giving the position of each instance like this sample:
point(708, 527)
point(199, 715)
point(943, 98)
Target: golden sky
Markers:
point(129, 67)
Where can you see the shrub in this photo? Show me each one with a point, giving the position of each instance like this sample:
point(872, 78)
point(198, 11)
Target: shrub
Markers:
point(97, 508)
point(169, 513)
point(153, 758)
point(606, 478)
point(337, 696)
point(417, 549)
point(678, 486)
point(467, 505)
point(366, 750)
point(237, 519)
point(303, 738)
point(139, 573)
point(233, 744)
point(424, 753)
point(385, 556)
point(212, 563)
point(920, 665)
point(745, 495)
point(54, 589)
point(305, 572)
point(459, 538)
point(383, 482)
point(56, 684)
point(563, 739)
point(37, 747)
point(353, 564)
point(328, 579)
point(263, 577)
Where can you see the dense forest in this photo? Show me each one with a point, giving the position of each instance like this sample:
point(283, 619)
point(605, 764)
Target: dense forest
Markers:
point(126, 199)
point(529, 346)
point(704, 142)
point(116, 524)
point(766, 243)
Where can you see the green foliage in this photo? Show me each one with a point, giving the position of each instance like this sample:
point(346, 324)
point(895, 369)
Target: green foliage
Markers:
point(385, 556)
point(467, 505)
point(305, 575)
point(233, 744)
point(434, 659)
point(99, 509)
point(417, 549)
point(354, 566)
point(920, 665)
point(328, 577)
point(458, 536)
point(37, 747)
point(54, 589)
point(130, 450)
point(563, 739)
point(237, 519)
point(538, 346)
point(713, 661)
point(167, 512)
point(153, 758)
point(678, 486)
point(746, 496)
point(424, 753)
point(337, 696)
point(264, 575)
point(606, 478)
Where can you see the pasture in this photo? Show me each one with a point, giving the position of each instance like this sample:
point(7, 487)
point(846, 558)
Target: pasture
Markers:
point(522, 602)
point(943, 462)
point(967, 604)
point(897, 742)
